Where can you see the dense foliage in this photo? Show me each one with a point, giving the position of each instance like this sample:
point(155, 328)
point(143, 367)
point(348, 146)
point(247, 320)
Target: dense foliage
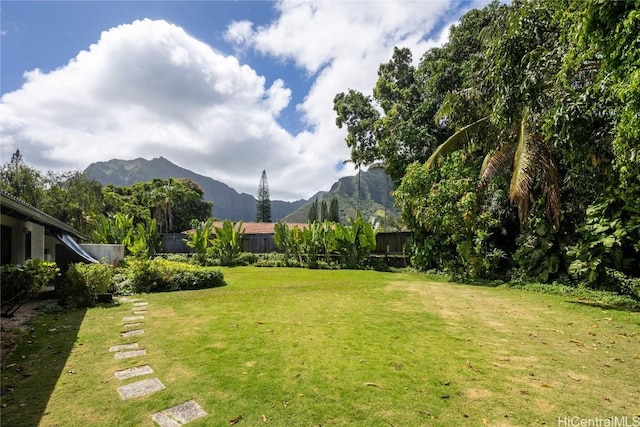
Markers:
point(227, 245)
point(173, 203)
point(160, 275)
point(315, 244)
point(93, 210)
point(515, 147)
point(84, 282)
point(20, 283)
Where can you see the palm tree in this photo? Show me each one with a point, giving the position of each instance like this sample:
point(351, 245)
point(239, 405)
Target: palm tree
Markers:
point(528, 156)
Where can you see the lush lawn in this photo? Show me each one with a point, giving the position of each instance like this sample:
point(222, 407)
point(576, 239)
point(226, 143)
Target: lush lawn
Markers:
point(293, 347)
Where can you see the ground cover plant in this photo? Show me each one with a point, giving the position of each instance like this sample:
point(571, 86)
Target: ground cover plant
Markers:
point(298, 347)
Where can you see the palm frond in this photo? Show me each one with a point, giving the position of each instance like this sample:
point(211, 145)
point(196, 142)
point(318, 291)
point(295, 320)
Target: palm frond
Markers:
point(522, 178)
point(550, 184)
point(455, 141)
point(496, 162)
point(449, 104)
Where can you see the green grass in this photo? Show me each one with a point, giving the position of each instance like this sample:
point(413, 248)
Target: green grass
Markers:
point(315, 347)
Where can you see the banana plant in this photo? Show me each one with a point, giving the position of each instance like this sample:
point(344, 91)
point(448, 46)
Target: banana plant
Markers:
point(354, 241)
point(200, 238)
point(228, 242)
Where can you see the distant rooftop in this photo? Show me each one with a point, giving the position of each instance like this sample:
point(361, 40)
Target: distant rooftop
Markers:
point(261, 227)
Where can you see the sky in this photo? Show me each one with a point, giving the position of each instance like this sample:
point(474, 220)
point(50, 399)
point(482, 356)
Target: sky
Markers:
point(226, 89)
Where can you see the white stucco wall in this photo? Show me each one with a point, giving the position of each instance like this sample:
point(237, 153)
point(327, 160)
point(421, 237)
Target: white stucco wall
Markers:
point(18, 231)
point(111, 253)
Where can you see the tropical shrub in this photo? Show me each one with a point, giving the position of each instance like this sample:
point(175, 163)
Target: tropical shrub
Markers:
point(114, 229)
point(227, 244)
point(84, 282)
point(146, 240)
point(454, 231)
point(247, 258)
point(283, 238)
point(21, 282)
point(317, 238)
point(609, 239)
point(160, 275)
point(273, 259)
point(354, 242)
point(200, 238)
point(539, 254)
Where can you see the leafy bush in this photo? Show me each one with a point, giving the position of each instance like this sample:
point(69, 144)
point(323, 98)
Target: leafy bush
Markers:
point(21, 282)
point(275, 259)
point(177, 257)
point(200, 238)
point(610, 241)
point(354, 242)
point(247, 258)
point(84, 282)
point(539, 254)
point(227, 244)
point(113, 228)
point(146, 240)
point(161, 275)
point(624, 284)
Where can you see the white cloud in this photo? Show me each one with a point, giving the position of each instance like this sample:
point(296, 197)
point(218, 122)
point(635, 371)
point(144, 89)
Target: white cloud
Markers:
point(340, 44)
point(149, 89)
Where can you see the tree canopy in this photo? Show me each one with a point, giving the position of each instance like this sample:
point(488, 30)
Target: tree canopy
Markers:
point(514, 148)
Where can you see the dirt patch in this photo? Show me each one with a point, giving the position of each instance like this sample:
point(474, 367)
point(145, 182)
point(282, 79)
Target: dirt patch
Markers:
point(477, 394)
point(15, 327)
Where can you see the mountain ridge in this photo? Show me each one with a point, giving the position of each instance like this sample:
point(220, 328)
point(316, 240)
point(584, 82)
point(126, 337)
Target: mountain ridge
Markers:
point(229, 204)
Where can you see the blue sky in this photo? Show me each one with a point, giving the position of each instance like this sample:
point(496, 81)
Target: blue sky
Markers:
point(223, 88)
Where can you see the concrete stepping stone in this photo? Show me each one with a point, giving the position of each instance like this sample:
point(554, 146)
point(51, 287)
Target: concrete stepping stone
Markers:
point(140, 388)
point(133, 372)
point(179, 415)
point(132, 325)
point(132, 346)
point(141, 304)
point(138, 312)
point(130, 353)
point(128, 319)
point(134, 333)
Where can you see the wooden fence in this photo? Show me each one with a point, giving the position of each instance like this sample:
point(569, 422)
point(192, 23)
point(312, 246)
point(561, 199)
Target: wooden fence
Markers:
point(392, 243)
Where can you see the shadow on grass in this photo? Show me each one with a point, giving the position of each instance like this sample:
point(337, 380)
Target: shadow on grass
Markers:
point(616, 307)
point(582, 296)
point(32, 371)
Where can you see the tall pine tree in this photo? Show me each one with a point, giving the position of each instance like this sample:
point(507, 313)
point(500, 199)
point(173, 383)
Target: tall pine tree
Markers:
point(263, 206)
point(334, 212)
point(312, 216)
point(324, 211)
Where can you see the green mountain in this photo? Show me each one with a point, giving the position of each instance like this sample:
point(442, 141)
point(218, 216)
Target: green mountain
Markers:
point(227, 202)
point(375, 194)
point(375, 191)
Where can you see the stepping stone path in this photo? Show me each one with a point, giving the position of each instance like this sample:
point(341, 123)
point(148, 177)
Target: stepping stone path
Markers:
point(138, 371)
point(134, 333)
point(132, 353)
point(132, 325)
point(179, 415)
point(173, 417)
point(140, 388)
point(131, 346)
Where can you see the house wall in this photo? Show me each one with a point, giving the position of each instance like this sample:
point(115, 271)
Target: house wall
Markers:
point(50, 244)
point(113, 254)
point(19, 229)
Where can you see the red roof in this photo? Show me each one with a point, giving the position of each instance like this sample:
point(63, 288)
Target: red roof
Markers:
point(261, 227)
